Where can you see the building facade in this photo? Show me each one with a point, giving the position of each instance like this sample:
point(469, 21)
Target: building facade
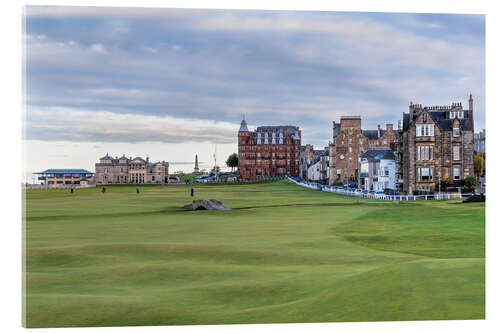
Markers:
point(306, 156)
point(377, 170)
point(350, 141)
point(64, 177)
point(480, 142)
point(268, 151)
point(437, 145)
point(130, 170)
point(318, 168)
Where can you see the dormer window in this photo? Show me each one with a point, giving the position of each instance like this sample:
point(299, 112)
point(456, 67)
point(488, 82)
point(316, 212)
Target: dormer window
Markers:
point(456, 132)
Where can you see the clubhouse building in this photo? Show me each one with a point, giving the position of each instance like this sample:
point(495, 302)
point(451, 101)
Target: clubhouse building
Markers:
point(128, 170)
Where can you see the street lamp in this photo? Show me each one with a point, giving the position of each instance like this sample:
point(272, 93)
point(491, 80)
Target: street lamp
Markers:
point(439, 184)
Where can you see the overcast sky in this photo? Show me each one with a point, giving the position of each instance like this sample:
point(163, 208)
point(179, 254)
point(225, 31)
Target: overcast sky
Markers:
point(172, 83)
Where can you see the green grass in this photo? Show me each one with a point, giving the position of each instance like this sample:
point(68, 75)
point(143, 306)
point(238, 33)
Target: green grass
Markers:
point(283, 254)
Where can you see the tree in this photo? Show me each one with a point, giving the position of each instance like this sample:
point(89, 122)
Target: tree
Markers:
point(479, 164)
point(232, 161)
point(468, 184)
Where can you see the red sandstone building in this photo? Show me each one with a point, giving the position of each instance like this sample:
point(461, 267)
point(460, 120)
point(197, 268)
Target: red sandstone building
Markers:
point(268, 151)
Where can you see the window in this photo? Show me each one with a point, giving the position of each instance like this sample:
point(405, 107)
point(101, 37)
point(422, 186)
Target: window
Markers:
point(456, 153)
point(425, 173)
point(350, 149)
point(456, 131)
point(425, 153)
point(456, 173)
point(425, 130)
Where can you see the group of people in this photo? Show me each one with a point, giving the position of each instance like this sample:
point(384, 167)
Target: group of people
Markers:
point(103, 190)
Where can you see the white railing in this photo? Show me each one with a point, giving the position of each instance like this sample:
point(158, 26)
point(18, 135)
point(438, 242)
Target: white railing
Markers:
point(359, 193)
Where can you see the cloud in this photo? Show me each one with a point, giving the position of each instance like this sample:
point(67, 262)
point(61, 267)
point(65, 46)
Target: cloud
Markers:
point(210, 67)
point(98, 48)
point(63, 124)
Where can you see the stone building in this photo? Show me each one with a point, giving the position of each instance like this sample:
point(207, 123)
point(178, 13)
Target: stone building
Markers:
point(350, 141)
point(268, 151)
point(318, 168)
point(437, 144)
point(306, 156)
point(480, 142)
point(130, 170)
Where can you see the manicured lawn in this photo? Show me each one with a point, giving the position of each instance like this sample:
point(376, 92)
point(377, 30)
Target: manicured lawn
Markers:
point(283, 254)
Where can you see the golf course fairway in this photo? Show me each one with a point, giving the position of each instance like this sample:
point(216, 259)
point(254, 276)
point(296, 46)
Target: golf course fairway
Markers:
point(283, 254)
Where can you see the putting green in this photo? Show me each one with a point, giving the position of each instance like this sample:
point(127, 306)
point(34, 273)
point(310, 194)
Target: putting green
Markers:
point(283, 254)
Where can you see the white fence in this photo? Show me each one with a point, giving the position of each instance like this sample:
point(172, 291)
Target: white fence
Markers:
point(361, 194)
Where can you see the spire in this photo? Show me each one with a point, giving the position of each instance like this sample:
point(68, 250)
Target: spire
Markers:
point(470, 102)
point(243, 126)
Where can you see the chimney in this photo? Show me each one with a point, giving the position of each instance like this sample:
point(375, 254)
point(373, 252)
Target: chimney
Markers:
point(470, 102)
point(399, 125)
point(378, 131)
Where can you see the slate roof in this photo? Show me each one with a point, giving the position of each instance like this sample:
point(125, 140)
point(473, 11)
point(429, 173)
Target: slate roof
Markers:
point(439, 117)
point(243, 126)
point(376, 153)
point(321, 152)
point(291, 131)
point(373, 134)
point(388, 156)
point(64, 171)
point(107, 157)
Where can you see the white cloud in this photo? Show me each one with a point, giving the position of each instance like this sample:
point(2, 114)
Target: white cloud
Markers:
point(98, 48)
point(67, 124)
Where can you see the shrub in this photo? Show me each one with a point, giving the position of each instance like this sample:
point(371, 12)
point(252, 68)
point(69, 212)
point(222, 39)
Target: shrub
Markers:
point(338, 182)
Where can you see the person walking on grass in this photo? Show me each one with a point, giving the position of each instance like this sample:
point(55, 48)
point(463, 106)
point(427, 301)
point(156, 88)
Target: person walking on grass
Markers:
point(137, 190)
point(192, 191)
point(103, 190)
point(71, 190)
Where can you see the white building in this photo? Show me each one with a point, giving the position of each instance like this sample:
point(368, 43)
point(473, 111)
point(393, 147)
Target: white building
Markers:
point(313, 171)
point(386, 173)
point(377, 170)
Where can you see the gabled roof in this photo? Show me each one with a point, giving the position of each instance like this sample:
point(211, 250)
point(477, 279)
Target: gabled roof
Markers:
point(439, 117)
